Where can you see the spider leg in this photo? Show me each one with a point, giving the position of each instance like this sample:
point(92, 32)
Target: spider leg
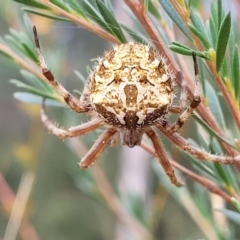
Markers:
point(195, 102)
point(183, 100)
point(175, 109)
point(162, 157)
point(85, 93)
point(72, 101)
point(97, 148)
point(73, 131)
point(183, 144)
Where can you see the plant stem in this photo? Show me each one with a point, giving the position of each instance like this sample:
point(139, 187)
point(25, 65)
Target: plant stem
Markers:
point(211, 186)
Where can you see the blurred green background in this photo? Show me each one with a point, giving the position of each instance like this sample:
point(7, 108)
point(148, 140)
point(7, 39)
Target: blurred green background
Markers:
point(58, 207)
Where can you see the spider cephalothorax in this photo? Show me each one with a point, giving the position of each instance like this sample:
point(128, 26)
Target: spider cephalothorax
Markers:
point(130, 91)
point(131, 88)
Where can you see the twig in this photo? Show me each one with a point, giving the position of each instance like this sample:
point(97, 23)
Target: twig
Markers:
point(115, 205)
point(7, 197)
point(82, 22)
point(110, 197)
point(211, 186)
point(21, 62)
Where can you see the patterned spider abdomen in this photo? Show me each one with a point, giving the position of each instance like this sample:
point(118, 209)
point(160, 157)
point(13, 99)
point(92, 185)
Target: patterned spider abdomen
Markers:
point(131, 87)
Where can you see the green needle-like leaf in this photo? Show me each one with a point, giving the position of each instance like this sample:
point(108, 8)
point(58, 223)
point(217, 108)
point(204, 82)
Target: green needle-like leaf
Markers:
point(201, 36)
point(234, 216)
point(29, 52)
point(222, 40)
point(215, 105)
point(62, 5)
point(146, 5)
point(184, 50)
point(93, 14)
point(76, 7)
point(219, 12)
point(167, 6)
point(197, 21)
point(180, 45)
point(109, 6)
point(111, 21)
point(34, 90)
point(180, 50)
point(153, 10)
point(199, 29)
point(134, 35)
point(213, 31)
point(34, 81)
point(236, 203)
point(32, 3)
point(214, 13)
point(46, 15)
point(222, 174)
point(212, 132)
point(235, 73)
point(35, 99)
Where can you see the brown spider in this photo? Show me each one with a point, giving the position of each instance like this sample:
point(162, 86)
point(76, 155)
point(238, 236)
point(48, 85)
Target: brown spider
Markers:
point(131, 91)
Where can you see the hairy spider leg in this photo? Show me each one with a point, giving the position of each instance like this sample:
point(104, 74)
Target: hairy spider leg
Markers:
point(162, 157)
point(183, 144)
point(183, 98)
point(72, 101)
point(97, 148)
point(70, 132)
point(195, 102)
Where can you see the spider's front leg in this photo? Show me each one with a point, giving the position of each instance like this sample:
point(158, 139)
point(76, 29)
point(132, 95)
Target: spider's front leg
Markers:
point(195, 102)
point(162, 157)
point(97, 148)
point(72, 101)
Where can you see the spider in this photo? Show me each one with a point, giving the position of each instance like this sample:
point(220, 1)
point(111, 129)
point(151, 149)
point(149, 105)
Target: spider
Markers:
point(130, 91)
